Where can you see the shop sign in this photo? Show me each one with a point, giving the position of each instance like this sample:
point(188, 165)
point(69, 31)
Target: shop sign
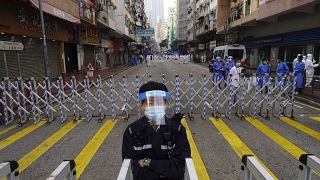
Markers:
point(201, 46)
point(88, 11)
point(11, 46)
point(145, 32)
point(89, 35)
point(213, 44)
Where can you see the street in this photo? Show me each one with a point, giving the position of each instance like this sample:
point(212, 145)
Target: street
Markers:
point(217, 144)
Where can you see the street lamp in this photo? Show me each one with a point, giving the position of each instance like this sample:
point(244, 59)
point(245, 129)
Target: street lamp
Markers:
point(45, 50)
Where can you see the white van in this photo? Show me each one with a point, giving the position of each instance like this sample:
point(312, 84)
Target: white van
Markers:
point(236, 51)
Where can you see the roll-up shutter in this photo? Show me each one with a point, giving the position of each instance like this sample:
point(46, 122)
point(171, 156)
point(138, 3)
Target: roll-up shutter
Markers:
point(31, 58)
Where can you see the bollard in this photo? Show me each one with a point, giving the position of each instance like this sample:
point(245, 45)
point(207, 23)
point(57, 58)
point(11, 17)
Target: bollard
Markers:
point(125, 101)
point(204, 96)
point(269, 85)
point(177, 94)
point(101, 114)
point(191, 82)
point(138, 101)
point(217, 95)
point(87, 98)
point(46, 100)
point(62, 116)
point(112, 99)
point(230, 98)
point(293, 96)
point(76, 115)
point(4, 99)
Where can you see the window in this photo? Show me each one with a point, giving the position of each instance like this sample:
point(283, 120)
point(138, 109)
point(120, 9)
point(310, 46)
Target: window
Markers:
point(236, 53)
point(292, 52)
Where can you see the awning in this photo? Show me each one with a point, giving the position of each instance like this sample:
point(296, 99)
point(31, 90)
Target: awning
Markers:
point(56, 12)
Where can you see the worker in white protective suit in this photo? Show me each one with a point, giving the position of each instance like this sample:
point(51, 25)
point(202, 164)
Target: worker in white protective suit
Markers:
point(310, 65)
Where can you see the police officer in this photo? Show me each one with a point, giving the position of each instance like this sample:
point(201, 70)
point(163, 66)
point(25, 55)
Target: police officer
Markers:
point(157, 144)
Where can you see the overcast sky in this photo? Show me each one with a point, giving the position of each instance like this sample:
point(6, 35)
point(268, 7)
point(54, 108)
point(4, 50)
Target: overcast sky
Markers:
point(167, 4)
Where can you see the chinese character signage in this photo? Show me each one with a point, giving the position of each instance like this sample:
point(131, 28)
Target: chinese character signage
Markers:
point(11, 46)
point(87, 11)
point(89, 35)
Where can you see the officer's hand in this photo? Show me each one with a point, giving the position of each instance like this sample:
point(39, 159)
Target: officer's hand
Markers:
point(177, 117)
point(141, 162)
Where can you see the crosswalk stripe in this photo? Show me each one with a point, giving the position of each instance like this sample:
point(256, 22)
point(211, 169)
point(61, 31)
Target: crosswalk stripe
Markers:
point(316, 118)
point(198, 163)
point(235, 142)
point(6, 142)
point(87, 153)
point(308, 106)
point(301, 127)
point(7, 129)
point(291, 148)
point(33, 155)
point(294, 150)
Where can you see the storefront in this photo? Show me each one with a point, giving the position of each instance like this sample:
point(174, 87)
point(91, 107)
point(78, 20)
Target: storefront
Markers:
point(23, 24)
point(283, 46)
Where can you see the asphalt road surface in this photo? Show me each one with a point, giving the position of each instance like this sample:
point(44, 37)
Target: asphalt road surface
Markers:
point(217, 144)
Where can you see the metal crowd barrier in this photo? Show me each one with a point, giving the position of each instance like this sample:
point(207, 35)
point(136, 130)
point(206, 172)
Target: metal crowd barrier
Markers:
point(126, 172)
point(309, 163)
point(252, 168)
point(9, 170)
point(23, 100)
point(66, 170)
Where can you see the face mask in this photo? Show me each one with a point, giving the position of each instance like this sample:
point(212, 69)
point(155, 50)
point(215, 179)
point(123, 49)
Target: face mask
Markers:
point(238, 64)
point(155, 113)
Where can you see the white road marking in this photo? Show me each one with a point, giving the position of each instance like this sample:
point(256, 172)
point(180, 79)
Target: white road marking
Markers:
point(298, 106)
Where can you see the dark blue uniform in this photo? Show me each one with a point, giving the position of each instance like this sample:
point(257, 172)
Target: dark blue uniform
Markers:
point(166, 147)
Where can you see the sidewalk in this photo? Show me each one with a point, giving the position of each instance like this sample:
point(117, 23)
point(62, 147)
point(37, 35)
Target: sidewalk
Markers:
point(104, 73)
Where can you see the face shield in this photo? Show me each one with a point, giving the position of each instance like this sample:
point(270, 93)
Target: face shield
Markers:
point(154, 104)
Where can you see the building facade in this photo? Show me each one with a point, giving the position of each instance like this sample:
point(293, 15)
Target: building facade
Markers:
point(274, 29)
point(78, 32)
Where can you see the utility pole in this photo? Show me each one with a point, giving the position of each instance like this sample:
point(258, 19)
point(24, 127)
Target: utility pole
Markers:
point(45, 50)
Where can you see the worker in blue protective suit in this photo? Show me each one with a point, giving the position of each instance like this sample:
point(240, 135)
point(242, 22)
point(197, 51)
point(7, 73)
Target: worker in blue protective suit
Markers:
point(263, 72)
point(298, 70)
point(230, 64)
point(156, 143)
point(282, 70)
point(217, 71)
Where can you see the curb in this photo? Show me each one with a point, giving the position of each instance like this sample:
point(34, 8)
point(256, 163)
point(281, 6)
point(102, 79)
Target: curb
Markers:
point(308, 101)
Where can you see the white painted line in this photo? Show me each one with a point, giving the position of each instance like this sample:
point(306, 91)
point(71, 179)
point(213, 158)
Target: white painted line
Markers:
point(298, 106)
